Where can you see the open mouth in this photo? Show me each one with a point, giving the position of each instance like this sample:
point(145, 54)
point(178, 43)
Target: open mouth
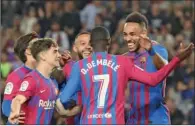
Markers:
point(131, 45)
point(86, 53)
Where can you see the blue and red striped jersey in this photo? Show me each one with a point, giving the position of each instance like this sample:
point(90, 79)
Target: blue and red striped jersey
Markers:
point(102, 79)
point(77, 97)
point(145, 100)
point(13, 82)
point(41, 93)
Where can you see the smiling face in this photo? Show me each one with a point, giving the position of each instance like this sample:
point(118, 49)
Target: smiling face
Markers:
point(131, 33)
point(82, 46)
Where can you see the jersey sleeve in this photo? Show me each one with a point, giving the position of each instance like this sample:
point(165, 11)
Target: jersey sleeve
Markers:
point(72, 86)
point(135, 73)
point(67, 70)
point(28, 87)
point(12, 86)
point(162, 51)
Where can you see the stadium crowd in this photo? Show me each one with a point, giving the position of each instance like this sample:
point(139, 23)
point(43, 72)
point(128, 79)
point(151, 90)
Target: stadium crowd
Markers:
point(170, 23)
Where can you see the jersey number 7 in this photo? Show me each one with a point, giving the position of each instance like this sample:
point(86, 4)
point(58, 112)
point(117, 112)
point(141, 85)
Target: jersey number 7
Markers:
point(104, 81)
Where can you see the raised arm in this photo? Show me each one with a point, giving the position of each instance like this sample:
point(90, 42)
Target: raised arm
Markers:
point(152, 79)
point(159, 56)
point(157, 52)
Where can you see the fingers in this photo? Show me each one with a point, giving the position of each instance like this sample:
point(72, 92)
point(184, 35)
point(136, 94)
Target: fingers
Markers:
point(190, 47)
point(66, 55)
point(142, 36)
point(21, 118)
point(22, 113)
point(66, 51)
point(13, 120)
point(21, 122)
point(181, 45)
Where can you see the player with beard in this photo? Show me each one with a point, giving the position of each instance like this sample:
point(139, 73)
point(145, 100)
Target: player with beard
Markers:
point(147, 105)
point(102, 79)
point(83, 50)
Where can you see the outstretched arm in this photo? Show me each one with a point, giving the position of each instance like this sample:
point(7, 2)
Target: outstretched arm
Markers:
point(72, 86)
point(152, 79)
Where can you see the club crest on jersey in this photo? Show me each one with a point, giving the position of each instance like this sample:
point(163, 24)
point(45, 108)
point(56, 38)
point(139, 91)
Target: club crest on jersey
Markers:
point(9, 88)
point(24, 86)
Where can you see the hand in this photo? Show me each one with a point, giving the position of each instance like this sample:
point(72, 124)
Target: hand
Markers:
point(21, 118)
point(70, 104)
point(14, 117)
point(65, 57)
point(145, 42)
point(184, 52)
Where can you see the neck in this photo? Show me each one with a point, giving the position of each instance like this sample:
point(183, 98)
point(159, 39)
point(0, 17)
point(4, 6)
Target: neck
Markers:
point(140, 50)
point(29, 65)
point(44, 69)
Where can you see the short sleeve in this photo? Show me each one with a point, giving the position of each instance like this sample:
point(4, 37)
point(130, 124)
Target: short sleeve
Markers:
point(161, 50)
point(28, 87)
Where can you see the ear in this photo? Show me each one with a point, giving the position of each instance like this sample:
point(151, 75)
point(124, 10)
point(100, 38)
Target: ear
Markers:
point(42, 56)
point(28, 52)
point(75, 48)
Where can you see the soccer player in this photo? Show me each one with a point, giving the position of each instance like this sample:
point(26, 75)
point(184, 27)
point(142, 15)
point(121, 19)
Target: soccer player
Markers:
point(83, 50)
point(102, 79)
point(14, 79)
point(146, 102)
point(37, 91)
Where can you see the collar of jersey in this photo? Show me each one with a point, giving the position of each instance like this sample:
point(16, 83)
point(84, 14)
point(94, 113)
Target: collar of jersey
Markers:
point(27, 67)
point(41, 75)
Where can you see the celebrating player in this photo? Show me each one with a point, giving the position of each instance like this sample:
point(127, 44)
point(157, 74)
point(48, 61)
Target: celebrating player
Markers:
point(146, 102)
point(83, 50)
point(14, 79)
point(38, 92)
point(102, 78)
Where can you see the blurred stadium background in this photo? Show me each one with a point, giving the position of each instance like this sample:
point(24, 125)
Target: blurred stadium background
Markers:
point(170, 22)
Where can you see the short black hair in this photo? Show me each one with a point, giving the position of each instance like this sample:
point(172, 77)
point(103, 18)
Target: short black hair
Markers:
point(100, 38)
point(99, 33)
point(22, 44)
point(137, 18)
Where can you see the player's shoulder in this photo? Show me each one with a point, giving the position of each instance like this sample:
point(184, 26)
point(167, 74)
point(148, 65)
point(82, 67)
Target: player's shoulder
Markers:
point(120, 58)
point(69, 64)
point(31, 75)
point(157, 45)
point(14, 75)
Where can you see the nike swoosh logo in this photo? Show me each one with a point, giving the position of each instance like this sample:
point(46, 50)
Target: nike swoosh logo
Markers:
point(42, 91)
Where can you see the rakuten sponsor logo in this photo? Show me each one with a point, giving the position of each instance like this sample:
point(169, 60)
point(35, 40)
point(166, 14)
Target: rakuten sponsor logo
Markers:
point(47, 104)
point(96, 116)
